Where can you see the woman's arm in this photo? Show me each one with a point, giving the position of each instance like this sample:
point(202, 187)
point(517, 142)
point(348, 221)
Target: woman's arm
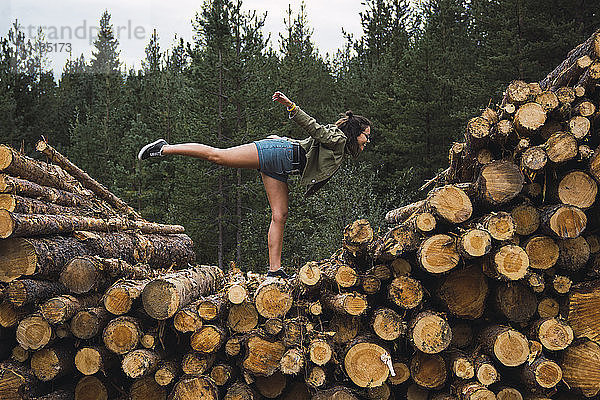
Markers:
point(325, 135)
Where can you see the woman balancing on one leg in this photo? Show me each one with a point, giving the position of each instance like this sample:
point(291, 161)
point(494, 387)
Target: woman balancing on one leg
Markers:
point(316, 158)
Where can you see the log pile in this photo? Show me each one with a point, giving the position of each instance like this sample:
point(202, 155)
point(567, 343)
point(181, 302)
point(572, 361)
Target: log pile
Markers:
point(485, 289)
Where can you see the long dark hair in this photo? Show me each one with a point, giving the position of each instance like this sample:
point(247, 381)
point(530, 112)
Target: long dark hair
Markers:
point(352, 125)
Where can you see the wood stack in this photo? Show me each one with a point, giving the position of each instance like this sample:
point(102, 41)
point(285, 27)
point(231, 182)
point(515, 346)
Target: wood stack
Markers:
point(486, 289)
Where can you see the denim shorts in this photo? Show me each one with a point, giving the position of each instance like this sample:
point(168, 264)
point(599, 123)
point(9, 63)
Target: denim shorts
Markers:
point(275, 158)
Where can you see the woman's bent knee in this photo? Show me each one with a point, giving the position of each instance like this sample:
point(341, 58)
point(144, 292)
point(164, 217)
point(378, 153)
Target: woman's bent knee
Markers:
point(279, 217)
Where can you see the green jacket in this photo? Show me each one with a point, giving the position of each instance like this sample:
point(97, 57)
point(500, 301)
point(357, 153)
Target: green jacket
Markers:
point(324, 148)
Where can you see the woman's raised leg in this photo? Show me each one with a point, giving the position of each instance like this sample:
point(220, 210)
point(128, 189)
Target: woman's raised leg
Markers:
point(244, 156)
point(278, 195)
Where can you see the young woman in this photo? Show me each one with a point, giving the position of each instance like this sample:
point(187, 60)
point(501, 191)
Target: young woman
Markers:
point(315, 158)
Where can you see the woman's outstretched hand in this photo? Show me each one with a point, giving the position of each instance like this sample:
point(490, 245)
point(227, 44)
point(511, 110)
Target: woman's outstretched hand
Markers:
point(282, 98)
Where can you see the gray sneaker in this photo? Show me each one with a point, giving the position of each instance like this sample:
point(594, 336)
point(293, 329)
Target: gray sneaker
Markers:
point(153, 149)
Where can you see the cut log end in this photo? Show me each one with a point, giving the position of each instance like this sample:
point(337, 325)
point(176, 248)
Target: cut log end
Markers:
point(80, 275)
point(18, 258)
point(430, 332)
point(364, 366)
point(511, 262)
point(438, 254)
point(511, 348)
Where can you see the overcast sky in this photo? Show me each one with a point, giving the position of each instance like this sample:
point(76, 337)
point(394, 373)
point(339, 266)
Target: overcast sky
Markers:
point(74, 21)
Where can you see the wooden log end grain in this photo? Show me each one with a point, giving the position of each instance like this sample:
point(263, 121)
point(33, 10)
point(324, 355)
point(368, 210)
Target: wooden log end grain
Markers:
point(27, 291)
point(450, 203)
point(194, 387)
point(242, 318)
point(320, 352)
point(221, 374)
point(33, 332)
point(508, 346)
point(357, 236)
point(582, 310)
point(140, 362)
point(122, 334)
point(81, 274)
point(470, 390)
point(387, 324)
point(439, 254)
point(475, 243)
point(90, 360)
point(515, 301)
point(517, 92)
point(430, 332)
point(529, 118)
point(464, 292)
point(118, 299)
point(509, 393)
point(273, 298)
point(485, 370)
point(87, 323)
point(146, 388)
point(18, 258)
point(187, 320)
point(194, 363)
point(364, 366)
point(534, 158)
point(402, 373)
point(579, 127)
point(428, 370)
point(511, 262)
point(292, 361)
point(208, 339)
point(554, 333)
point(405, 292)
point(500, 225)
point(92, 388)
point(548, 100)
point(310, 274)
point(271, 387)
point(564, 221)
point(561, 147)
point(51, 363)
point(316, 377)
point(499, 182)
point(542, 373)
point(543, 252)
point(263, 356)
point(581, 369)
point(578, 189)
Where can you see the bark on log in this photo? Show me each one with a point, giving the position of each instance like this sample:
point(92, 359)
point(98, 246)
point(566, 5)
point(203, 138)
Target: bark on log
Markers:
point(342, 275)
point(39, 172)
point(25, 188)
point(27, 291)
point(23, 225)
point(25, 205)
point(119, 298)
point(399, 215)
point(60, 309)
point(86, 181)
point(352, 303)
point(47, 256)
point(164, 296)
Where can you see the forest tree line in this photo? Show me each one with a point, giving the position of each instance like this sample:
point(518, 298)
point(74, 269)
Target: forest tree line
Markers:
point(417, 72)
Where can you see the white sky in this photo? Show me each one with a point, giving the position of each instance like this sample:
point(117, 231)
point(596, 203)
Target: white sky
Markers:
point(137, 18)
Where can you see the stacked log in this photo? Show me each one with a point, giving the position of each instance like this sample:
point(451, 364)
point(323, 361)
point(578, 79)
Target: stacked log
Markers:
point(487, 288)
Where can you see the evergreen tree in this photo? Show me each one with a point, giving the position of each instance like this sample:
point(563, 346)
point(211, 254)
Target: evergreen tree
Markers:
point(105, 57)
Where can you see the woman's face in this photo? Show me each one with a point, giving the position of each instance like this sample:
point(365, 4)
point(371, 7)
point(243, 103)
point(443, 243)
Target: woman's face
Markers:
point(364, 138)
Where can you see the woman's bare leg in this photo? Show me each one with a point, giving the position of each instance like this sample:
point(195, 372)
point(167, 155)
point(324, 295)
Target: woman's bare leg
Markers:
point(278, 195)
point(244, 156)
